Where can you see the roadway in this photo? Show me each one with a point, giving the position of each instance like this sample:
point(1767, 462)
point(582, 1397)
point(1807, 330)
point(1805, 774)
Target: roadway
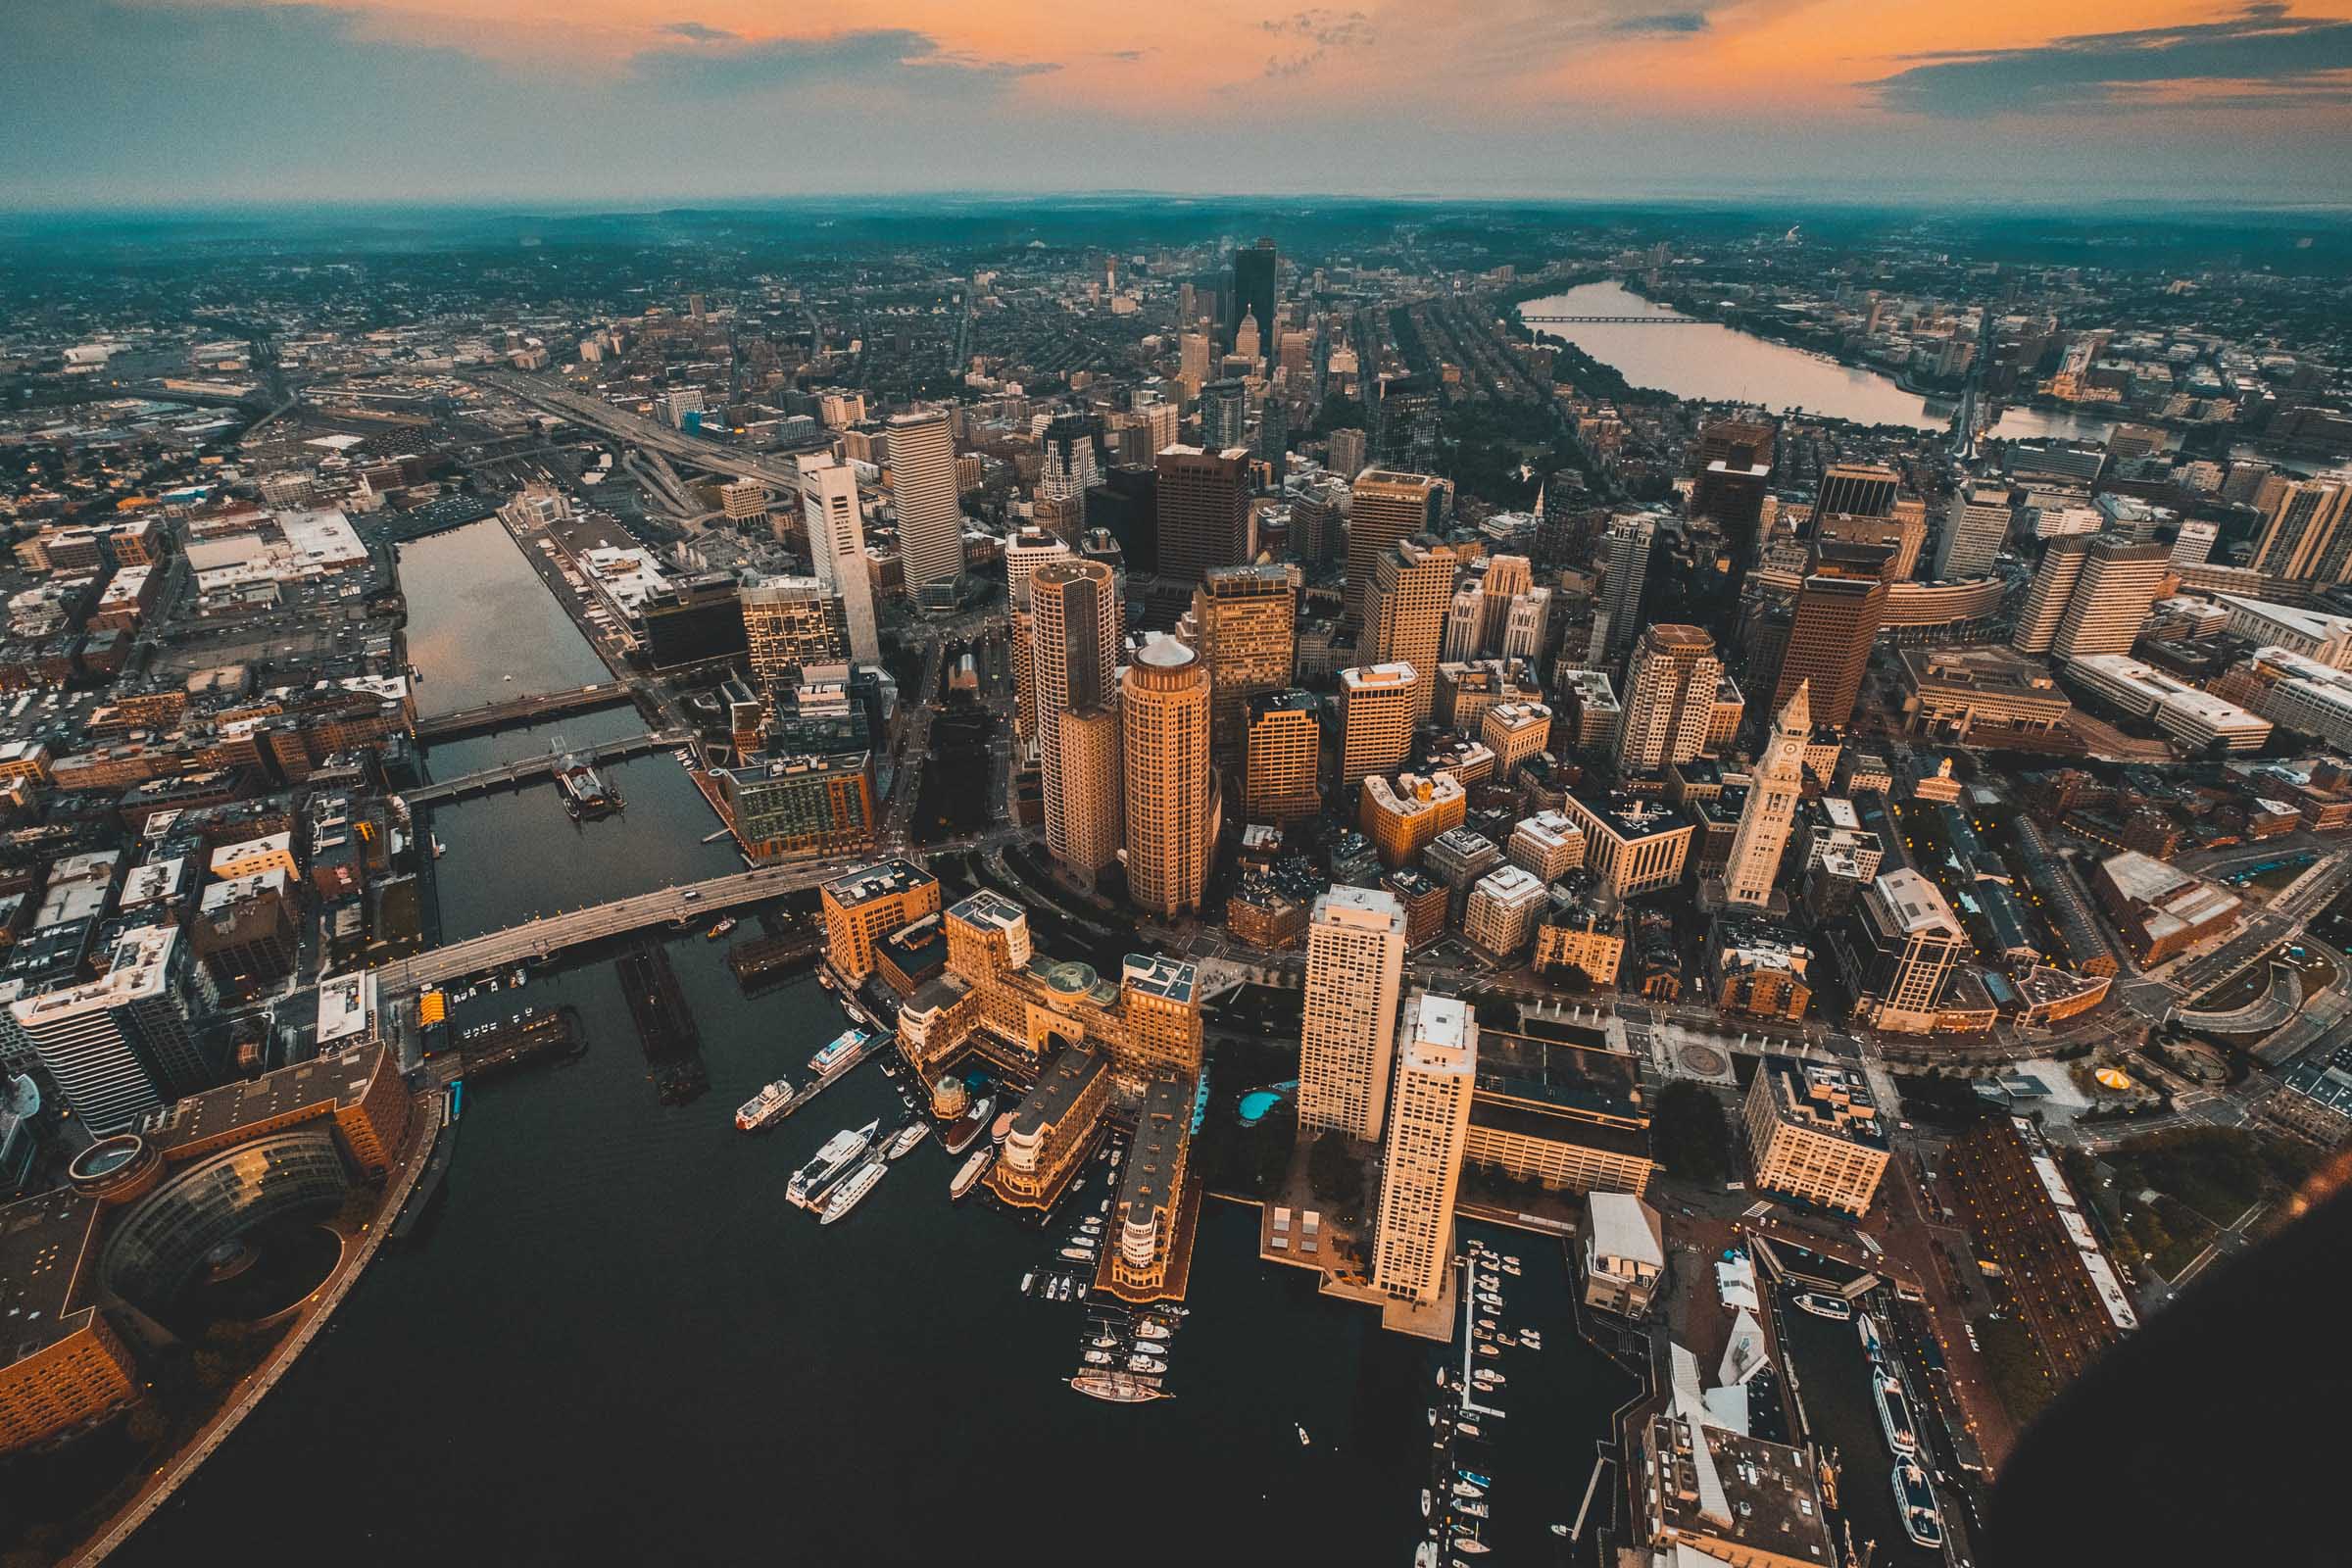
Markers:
point(527, 768)
point(584, 409)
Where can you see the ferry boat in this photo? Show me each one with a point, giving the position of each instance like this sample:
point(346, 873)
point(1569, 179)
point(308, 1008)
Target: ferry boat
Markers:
point(1915, 1505)
point(849, 1193)
point(969, 1177)
point(1118, 1388)
point(959, 1137)
point(1895, 1411)
point(838, 1050)
point(810, 1182)
point(1837, 1308)
point(727, 924)
point(586, 795)
point(763, 1107)
point(913, 1132)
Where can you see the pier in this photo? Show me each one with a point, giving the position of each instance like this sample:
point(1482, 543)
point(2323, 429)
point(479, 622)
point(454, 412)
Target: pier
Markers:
point(762, 958)
point(538, 1036)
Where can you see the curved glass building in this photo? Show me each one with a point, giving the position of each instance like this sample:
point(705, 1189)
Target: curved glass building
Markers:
point(159, 1248)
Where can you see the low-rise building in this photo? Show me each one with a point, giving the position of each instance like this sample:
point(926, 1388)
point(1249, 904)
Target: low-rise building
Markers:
point(1813, 1132)
point(1632, 844)
point(861, 906)
point(2162, 909)
point(1624, 1252)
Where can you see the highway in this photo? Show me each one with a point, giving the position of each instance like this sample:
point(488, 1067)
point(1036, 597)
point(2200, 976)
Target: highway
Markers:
point(596, 414)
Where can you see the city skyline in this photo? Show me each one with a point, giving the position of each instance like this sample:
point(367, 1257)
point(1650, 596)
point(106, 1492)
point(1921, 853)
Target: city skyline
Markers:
point(616, 102)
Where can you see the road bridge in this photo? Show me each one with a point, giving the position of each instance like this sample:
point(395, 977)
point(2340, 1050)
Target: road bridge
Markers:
point(516, 711)
point(1614, 320)
point(530, 769)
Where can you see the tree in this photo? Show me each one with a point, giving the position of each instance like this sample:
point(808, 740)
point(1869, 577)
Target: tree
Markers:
point(1333, 1171)
point(1690, 1134)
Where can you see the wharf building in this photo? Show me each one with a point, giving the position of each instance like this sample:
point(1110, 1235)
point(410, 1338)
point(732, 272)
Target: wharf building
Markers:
point(1713, 1495)
point(863, 905)
point(1632, 844)
point(1158, 1201)
point(1053, 1129)
point(1813, 1132)
point(1900, 946)
point(1015, 1004)
point(1555, 1107)
point(1356, 946)
point(1624, 1254)
point(1280, 777)
point(1172, 786)
point(1428, 1135)
point(2025, 1219)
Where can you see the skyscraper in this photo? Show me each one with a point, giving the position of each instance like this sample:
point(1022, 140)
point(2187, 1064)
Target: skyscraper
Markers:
point(2110, 599)
point(1224, 415)
point(1465, 617)
point(1387, 507)
point(1670, 698)
point(1838, 611)
point(1777, 784)
point(1024, 553)
point(1975, 525)
point(1246, 622)
point(119, 1046)
point(922, 481)
point(790, 622)
point(1074, 645)
point(1625, 568)
point(1252, 292)
point(2053, 586)
point(1404, 616)
point(1193, 351)
point(1347, 448)
point(1507, 577)
point(1404, 423)
point(1070, 462)
point(2307, 533)
point(1170, 784)
point(1377, 705)
point(1274, 435)
point(1858, 489)
point(1355, 972)
point(837, 545)
point(1203, 511)
point(1429, 1127)
point(1284, 757)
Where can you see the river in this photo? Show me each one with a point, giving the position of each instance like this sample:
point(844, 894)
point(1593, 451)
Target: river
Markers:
point(1708, 361)
point(614, 1341)
point(479, 614)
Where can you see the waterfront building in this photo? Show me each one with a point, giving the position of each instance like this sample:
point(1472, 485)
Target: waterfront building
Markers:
point(1378, 705)
point(799, 808)
point(1428, 1132)
point(1671, 687)
point(1404, 818)
point(1170, 786)
point(695, 623)
point(1813, 1132)
point(1975, 524)
point(67, 1368)
point(1203, 510)
point(790, 624)
point(1633, 844)
point(862, 906)
point(2160, 908)
point(930, 512)
point(1709, 1494)
point(1284, 757)
point(1356, 943)
point(1776, 784)
point(1244, 624)
point(1388, 509)
point(1152, 1218)
point(1404, 612)
point(837, 545)
point(120, 1046)
point(1074, 641)
point(1624, 1251)
point(1053, 1129)
point(2025, 1218)
point(1500, 916)
point(1555, 1107)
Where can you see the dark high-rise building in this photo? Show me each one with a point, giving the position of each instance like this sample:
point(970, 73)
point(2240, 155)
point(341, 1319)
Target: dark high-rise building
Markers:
point(1838, 611)
point(1203, 511)
point(1274, 435)
point(1252, 291)
point(1405, 424)
point(1126, 506)
point(1742, 443)
point(1857, 489)
point(1224, 415)
point(697, 621)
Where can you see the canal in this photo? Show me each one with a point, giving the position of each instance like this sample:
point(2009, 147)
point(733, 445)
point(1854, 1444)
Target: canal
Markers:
point(614, 1341)
point(1716, 363)
point(483, 627)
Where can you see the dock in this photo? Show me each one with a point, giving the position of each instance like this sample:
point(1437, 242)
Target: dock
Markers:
point(665, 1026)
point(764, 957)
point(436, 1167)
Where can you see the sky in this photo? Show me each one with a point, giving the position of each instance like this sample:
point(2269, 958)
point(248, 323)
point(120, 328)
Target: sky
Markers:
point(186, 103)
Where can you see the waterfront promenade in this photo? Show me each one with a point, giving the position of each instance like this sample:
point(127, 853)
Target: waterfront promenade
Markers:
point(262, 1379)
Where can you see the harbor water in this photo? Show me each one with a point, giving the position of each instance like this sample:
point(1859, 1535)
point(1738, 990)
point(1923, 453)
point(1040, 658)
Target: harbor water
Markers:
point(613, 1339)
point(1713, 361)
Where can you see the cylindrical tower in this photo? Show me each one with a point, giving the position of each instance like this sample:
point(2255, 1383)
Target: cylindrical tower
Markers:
point(1171, 817)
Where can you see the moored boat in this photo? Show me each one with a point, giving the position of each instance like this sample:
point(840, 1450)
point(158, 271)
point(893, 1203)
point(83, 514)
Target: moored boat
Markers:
point(913, 1132)
point(764, 1107)
point(1895, 1411)
point(727, 923)
point(1834, 1307)
point(849, 1193)
point(831, 1162)
point(966, 1127)
point(1915, 1505)
point(838, 1050)
point(1118, 1388)
point(970, 1176)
